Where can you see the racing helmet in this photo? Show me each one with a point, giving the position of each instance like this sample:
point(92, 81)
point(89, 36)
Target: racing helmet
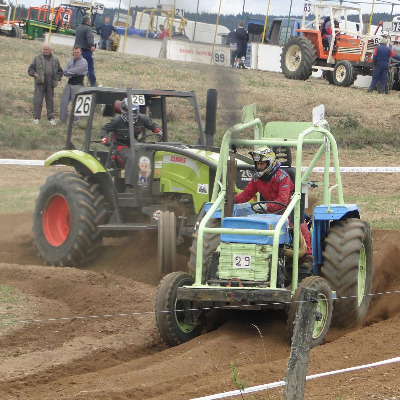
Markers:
point(125, 108)
point(267, 155)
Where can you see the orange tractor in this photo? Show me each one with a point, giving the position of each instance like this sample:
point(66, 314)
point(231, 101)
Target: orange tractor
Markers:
point(8, 27)
point(341, 54)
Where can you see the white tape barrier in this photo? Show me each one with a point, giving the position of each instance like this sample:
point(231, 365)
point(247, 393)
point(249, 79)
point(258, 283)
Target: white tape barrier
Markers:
point(9, 161)
point(273, 385)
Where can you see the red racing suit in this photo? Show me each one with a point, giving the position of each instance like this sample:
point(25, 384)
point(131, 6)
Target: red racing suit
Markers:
point(279, 188)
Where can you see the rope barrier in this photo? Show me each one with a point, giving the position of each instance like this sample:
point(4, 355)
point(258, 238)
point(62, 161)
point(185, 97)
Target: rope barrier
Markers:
point(137, 313)
point(10, 161)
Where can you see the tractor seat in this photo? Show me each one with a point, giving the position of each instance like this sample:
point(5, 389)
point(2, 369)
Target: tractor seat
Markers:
point(117, 106)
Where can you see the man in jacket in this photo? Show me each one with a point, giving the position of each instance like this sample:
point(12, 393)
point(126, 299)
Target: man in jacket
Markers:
point(120, 127)
point(381, 57)
point(241, 37)
point(47, 71)
point(85, 39)
point(275, 186)
point(107, 33)
point(75, 71)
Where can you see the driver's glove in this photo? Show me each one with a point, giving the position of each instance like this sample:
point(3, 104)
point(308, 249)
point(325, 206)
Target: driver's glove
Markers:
point(260, 208)
point(104, 141)
point(158, 130)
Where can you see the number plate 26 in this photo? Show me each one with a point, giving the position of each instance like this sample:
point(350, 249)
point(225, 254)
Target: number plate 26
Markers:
point(241, 261)
point(83, 105)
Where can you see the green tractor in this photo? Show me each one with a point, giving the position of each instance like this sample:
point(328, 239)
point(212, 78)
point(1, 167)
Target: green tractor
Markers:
point(247, 260)
point(77, 207)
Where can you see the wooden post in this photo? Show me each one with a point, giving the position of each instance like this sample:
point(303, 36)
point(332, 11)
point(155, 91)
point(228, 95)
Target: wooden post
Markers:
point(301, 341)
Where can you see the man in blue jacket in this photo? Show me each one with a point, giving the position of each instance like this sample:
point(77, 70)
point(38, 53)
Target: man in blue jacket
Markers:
point(107, 33)
point(381, 57)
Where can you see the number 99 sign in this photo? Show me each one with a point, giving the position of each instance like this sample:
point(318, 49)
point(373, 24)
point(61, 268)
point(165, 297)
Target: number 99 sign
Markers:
point(220, 58)
point(83, 105)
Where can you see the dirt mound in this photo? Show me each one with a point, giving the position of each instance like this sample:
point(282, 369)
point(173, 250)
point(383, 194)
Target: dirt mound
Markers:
point(94, 335)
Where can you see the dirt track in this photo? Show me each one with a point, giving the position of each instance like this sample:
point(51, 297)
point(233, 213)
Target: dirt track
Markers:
point(122, 357)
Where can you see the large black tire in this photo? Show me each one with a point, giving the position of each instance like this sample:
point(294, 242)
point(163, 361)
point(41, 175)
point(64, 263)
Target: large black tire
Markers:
point(67, 212)
point(171, 317)
point(166, 254)
point(297, 58)
point(210, 243)
point(343, 74)
point(324, 308)
point(348, 267)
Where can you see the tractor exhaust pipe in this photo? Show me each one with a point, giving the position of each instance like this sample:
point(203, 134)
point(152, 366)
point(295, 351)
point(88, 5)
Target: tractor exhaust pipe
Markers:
point(211, 116)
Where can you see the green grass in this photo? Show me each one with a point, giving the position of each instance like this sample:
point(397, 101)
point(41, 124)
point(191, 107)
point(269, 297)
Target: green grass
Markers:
point(10, 303)
point(17, 200)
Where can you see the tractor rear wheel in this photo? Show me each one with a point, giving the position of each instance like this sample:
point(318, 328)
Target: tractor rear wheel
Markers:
point(348, 267)
point(210, 243)
point(343, 74)
point(324, 308)
point(298, 57)
point(177, 320)
point(67, 212)
point(166, 255)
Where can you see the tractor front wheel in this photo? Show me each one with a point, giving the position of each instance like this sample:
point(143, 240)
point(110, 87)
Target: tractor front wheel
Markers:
point(343, 74)
point(67, 212)
point(297, 58)
point(177, 320)
point(348, 267)
point(324, 308)
point(166, 255)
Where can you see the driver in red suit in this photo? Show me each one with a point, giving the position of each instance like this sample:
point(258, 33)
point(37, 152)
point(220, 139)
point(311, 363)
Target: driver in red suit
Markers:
point(273, 184)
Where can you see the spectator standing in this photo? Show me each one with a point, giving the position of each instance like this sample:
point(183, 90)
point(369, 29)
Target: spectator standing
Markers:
point(85, 39)
point(47, 71)
point(164, 32)
point(75, 70)
point(381, 57)
point(231, 41)
point(242, 38)
point(107, 33)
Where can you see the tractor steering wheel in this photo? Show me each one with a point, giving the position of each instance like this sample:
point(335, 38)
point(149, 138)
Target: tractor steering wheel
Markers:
point(257, 210)
point(158, 137)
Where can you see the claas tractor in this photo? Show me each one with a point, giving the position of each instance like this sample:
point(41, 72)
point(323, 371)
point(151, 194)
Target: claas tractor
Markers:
point(245, 260)
point(81, 204)
point(348, 54)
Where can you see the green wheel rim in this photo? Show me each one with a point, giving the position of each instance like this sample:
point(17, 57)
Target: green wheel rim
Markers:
point(362, 275)
point(180, 306)
point(322, 308)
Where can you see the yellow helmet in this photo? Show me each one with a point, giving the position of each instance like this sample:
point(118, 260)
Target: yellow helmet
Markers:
point(267, 155)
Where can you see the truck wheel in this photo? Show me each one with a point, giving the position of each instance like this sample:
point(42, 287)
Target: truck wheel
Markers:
point(15, 32)
point(328, 75)
point(166, 255)
point(172, 315)
point(298, 57)
point(210, 243)
point(343, 74)
point(389, 83)
point(348, 267)
point(67, 212)
point(324, 308)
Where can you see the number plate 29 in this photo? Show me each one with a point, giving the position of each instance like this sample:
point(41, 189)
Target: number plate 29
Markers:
point(241, 261)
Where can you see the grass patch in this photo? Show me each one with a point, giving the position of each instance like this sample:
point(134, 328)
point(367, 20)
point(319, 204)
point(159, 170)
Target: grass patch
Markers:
point(10, 303)
point(17, 200)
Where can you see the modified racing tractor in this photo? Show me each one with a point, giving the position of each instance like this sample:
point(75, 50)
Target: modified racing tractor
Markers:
point(341, 59)
point(248, 260)
point(174, 173)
